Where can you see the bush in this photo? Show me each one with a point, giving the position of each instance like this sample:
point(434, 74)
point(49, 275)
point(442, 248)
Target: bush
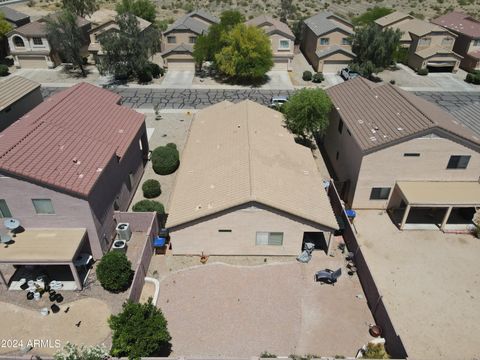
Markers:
point(392, 82)
point(114, 272)
point(267, 355)
point(121, 72)
point(148, 206)
point(375, 351)
point(3, 70)
point(307, 75)
point(151, 188)
point(473, 77)
point(165, 159)
point(139, 330)
point(317, 77)
point(155, 70)
point(71, 351)
point(144, 75)
point(422, 72)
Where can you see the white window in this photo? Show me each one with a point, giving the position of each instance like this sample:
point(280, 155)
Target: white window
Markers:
point(43, 206)
point(284, 44)
point(346, 41)
point(37, 41)
point(269, 238)
point(324, 41)
point(424, 41)
point(18, 41)
point(4, 210)
point(447, 41)
point(476, 42)
point(171, 39)
point(380, 193)
point(192, 39)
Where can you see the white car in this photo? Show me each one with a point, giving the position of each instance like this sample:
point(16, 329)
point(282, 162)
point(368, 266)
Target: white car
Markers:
point(277, 101)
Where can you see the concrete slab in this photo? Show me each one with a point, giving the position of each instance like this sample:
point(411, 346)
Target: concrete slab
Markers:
point(278, 80)
point(178, 79)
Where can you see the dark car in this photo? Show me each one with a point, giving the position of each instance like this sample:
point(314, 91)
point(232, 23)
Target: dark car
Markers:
point(348, 74)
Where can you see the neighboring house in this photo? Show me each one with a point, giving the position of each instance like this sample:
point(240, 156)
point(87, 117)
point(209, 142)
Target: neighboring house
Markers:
point(326, 42)
point(281, 38)
point(245, 187)
point(16, 19)
point(467, 43)
point(179, 38)
point(429, 46)
point(17, 97)
point(31, 49)
point(71, 162)
point(392, 149)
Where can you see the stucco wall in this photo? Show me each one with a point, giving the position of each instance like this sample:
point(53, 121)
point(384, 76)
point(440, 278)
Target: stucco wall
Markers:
point(275, 41)
point(182, 37)
point(19, 108)
point(308, 46)
point(203, 236)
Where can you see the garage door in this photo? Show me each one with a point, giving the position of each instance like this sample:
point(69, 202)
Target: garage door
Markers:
point(437, 66)
point(280, 65)
point(176, 64)
point(333, 67)
point(33, 62)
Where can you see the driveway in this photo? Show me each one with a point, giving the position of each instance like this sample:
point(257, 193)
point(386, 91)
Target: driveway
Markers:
point(178, 79)
point(278, 80)
point(332, 79)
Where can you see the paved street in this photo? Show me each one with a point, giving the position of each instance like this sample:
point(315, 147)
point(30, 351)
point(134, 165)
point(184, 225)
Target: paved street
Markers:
point(451, 101)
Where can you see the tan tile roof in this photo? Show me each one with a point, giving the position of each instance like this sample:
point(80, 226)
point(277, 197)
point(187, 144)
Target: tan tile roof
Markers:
point(440, 192)
point(396, 20)
point(241, 153)
point(39, 27)
point(378, 115)
point(272, 25)
point(14, 88)
point(437, 49)
point(392, 18)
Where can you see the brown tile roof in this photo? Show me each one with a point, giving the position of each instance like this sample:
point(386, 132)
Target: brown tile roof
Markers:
point(271, 25)
point(241, 153)
point(14, 88)
point(67, 140)
point(381, 114)
point(39, 27)
point(459, 23)
point(438, 50)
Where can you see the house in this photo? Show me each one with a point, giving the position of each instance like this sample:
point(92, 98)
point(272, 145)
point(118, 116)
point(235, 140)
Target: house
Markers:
point(179, 38)
point(31, 49)
point(429, 46)
point(16, 19)
point(18, 96)
point(245, 187)
point(326, 42)
point(467, 43)
point(393, 150)
point(281, 38)
point(70, 163)
point(95, 48)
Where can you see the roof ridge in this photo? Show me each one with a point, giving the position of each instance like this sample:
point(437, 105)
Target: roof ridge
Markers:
point(397, 90)
point(250, 168)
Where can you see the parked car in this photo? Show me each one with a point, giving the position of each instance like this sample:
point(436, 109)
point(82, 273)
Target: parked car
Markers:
point(277, 101)
point(348, 74)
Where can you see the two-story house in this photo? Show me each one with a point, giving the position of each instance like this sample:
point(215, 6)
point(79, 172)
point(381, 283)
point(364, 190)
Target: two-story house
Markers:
point(429, 46)
point(30, 47)
point(14, 18)
point(390, 149)
point(326, 42)
point(282, 40)
point(179, 38)
point(467, 43)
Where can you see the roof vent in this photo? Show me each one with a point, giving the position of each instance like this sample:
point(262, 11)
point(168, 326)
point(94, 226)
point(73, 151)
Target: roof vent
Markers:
point(62, 147)
point(198, 207)
point(399, 129)
point(212, 186)
point(210, 206)
point(81, 176)
point(306, 172)
point(373, 138)
point(99, 169)
point(360, 121)
point(373, 131)
point(120, 131)
point(76, 161)
point(376, 96)
point(238, 126)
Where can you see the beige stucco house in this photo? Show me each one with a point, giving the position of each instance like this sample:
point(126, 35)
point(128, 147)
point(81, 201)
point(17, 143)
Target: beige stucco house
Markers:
point(393, 150)
point(282, 40)
point(429, 46)
point(245, 187)
point(467, 43)
point(179, 38)
point(326, 42)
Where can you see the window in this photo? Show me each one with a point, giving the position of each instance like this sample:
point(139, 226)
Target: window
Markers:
point(129, 181)
point(225, 230)
point(43, 206)
point(18, 41)
point(340, 126)
point(171, 39)
point(476, 42)
point(284, 44)
point(380, 193)
point(37, 41)
point(411, 154)
point(458, 162)
point(192, 39)
point(269, 238)
point(346, 41)
point(324, 41)
point(424, 42)
point(447, 41)
point(337, 156)
point(4, 210)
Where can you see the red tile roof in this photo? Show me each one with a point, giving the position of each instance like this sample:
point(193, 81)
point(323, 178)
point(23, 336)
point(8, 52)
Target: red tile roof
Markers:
point(460, 23)
point(69, 139)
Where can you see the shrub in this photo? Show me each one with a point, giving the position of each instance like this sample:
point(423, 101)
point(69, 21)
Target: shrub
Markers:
point(318, 77)
point(267, 355)
point(121, 72)
point(148, 206)
point(375, 351)
point(165, 159)
point(3, 70)
point(473, 77)
point(151, 188)
point(144, 75)
point(74, 352)
point(114, 272)
point(392, 82)
point(307, 75)
point(422, 72)
point(155, 70)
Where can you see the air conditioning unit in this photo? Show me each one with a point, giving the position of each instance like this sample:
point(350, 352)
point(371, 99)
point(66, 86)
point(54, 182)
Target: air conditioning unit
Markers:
point(123, 231)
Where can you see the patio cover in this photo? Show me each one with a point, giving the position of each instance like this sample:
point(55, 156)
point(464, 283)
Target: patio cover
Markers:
point(440, 193)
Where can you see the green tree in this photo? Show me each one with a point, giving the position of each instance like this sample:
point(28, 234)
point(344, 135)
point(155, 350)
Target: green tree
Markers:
point(230, 18)
point(67, 38)
point(369, 16)
point(297, 29)
point(114, 271)
point(140, 330)
point(247, 53)
point(286, 9)
point(144, 9)
point(5, 26)
point(307, 112)
point(80, 7)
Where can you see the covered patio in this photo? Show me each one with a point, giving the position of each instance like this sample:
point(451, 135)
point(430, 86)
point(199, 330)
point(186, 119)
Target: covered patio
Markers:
point(444, 205)
point(57, 249)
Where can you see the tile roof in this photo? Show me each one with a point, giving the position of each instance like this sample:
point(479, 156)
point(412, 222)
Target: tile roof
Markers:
point(325, 22)
point(180, 48)
point(391, 18)
point(469, 116)
point(14, 88)
point(380, 114)
point(333, 49)
point(459, 23)
point(188, 22)
point(408, 26)
point(39, 27)
point(66, 141)
point(242, 153)
point(12, 14)
point(437, 49)
point(271, 25)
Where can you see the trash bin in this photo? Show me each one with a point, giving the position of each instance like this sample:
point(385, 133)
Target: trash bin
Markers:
point(159, 243)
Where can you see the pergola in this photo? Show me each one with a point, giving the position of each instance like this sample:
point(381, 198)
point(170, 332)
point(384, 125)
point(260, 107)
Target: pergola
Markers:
point(45, 247)
point(440, 194)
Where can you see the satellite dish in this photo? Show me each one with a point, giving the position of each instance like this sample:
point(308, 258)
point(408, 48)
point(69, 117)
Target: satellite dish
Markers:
point(11, 224)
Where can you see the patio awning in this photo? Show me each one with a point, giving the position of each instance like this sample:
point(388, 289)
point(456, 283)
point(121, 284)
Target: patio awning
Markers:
point(440, 193)
point(43, 246)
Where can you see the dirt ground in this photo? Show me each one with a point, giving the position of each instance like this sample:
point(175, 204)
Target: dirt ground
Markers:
point(233, 310)
point(430, 283)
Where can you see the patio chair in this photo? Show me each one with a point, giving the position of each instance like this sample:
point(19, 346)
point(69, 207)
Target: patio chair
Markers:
point(328, 276)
